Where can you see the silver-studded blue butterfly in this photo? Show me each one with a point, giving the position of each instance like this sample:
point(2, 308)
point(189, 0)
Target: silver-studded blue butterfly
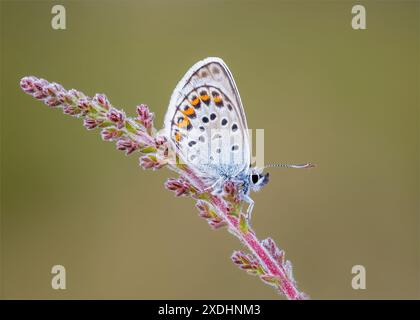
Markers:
point(207, 126)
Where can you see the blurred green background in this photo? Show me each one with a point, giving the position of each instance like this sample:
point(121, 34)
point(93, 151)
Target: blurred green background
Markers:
point(347, 100)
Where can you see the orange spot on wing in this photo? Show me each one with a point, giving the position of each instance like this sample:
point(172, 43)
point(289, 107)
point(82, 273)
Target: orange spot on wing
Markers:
point(217, 99)
point(184, 123)
point(205, 97)
point(195, 102)
point(189, 111)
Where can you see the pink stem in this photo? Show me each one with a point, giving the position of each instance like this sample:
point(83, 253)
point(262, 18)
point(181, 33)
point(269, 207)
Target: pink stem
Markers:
point(254, 245)
point(250, 240)
point(49, 93)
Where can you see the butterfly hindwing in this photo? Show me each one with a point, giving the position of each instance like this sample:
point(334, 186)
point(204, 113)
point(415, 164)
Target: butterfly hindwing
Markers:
point(206, 122)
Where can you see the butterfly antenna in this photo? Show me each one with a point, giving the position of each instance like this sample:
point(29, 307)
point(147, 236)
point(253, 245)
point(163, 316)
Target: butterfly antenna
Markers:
point(296, 166)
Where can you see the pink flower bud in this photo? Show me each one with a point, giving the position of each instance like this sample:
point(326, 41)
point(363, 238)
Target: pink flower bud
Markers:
point(203, 209)
point(50, 90)
point(230, 188)
point(145, 116)
point(90, 123)
point(162, 145)
point(179, 186)
point(52, 102)
point(160, 140)
point(27, 84)
point(102, 100)
point(84, 105)
point(39, 84)
point(70, 110)
point(247, 262)
point(146, 162)
point(127, 145)
point(56, 87)
point(76, 94)
point(109, 134)
point(150, 162)
point(39, 95)
point(231, 191)
point(64, 97)
point(116, 116)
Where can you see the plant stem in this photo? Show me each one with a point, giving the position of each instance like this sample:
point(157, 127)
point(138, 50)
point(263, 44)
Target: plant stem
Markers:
point(137, 134)
point(249, 239)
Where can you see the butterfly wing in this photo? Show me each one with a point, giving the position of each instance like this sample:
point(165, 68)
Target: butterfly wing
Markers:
point(206, 122)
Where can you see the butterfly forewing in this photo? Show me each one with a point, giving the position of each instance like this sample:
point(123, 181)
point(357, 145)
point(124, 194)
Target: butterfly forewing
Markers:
point(206, 121)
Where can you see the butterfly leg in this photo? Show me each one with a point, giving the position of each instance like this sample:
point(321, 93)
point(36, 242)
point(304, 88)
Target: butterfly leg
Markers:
point(250, 202)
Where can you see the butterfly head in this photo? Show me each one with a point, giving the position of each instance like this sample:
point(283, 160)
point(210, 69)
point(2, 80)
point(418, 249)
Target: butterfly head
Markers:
point(257, 179)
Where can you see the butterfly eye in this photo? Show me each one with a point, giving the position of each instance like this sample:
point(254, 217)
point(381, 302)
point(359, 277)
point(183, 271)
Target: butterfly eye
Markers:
point(255, 178)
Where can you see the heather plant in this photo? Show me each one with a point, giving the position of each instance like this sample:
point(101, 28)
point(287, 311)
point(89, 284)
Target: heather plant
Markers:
point(263, 259)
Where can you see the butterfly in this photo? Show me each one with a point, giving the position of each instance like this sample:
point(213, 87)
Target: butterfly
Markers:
point(207, 127)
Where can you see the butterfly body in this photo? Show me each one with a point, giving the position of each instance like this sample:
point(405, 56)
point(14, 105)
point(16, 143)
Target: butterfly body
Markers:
point(207, 127)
